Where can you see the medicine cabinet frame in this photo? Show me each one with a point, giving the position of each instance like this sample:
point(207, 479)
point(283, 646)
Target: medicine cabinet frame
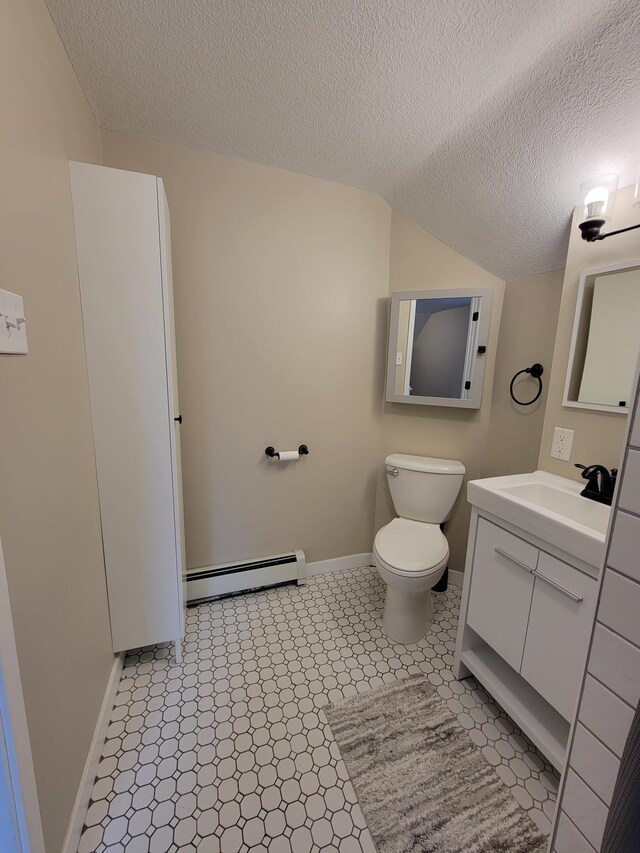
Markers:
point(580, 337)
point(475, 356)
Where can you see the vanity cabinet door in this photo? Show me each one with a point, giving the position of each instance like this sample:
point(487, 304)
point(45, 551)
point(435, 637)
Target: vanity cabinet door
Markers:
point(555, 651)
point(501, 590)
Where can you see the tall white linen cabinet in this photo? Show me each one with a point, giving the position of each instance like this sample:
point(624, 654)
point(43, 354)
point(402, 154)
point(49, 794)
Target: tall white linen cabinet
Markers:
point(124, 263)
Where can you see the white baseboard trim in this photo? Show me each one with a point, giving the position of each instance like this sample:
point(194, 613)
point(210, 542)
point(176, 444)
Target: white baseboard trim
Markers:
point(456, 578)
point(339, 564)
point(76, 822)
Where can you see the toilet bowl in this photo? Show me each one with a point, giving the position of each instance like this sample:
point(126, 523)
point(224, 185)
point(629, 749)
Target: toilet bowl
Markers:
point(411, 552)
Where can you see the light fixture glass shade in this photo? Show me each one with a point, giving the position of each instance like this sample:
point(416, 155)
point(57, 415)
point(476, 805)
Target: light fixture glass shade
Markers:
point(636, 193)
point(597, 196)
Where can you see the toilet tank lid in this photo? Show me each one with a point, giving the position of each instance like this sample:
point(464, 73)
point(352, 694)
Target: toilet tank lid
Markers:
point(427, 464)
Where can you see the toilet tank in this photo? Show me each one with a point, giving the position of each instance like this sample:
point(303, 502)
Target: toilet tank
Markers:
point(424, 488)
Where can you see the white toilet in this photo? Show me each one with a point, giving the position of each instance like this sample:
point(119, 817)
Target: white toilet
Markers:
point(411, 552)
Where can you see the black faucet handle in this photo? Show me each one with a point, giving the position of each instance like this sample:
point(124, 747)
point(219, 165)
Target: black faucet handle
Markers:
point(589, 472)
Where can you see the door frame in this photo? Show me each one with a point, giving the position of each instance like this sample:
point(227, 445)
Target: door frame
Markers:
point(16, 743)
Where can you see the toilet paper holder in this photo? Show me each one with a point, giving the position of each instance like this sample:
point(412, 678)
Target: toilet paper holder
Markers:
point(271, 452)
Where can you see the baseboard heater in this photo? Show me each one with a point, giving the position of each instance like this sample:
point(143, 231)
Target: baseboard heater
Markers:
point(213, 581)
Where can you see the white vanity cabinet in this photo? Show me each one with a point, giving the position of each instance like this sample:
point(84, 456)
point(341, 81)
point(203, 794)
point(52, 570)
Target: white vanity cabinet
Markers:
point(524, 628)
point(558, 632)
point(501, 590)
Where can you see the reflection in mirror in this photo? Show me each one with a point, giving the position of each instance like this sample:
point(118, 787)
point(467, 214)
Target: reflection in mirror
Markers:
point(433, 347)
point(434, 338)
point(606, 342)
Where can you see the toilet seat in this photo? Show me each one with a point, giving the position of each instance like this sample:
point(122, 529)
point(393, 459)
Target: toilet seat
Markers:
point(411, 548)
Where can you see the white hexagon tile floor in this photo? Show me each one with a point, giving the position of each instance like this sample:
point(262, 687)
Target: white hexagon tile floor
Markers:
point(229, 752)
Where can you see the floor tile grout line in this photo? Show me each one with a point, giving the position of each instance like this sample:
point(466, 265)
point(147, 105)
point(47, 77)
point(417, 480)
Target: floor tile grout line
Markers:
point(354, 599)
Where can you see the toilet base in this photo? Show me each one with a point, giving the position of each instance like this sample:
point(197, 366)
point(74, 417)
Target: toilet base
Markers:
point(407, 615)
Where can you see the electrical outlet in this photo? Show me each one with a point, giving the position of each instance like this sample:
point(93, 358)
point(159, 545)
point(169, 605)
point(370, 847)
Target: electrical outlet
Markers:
point(561, 444)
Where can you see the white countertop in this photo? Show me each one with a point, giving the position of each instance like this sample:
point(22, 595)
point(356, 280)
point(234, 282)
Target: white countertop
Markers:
point(550, 508)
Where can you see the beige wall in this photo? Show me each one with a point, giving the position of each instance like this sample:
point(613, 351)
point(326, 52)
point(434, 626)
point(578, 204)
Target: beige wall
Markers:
point(527, 335)
point(281, 291)
point(49, 519)
point(280, 284)
point(598, 435)
point(418, 262)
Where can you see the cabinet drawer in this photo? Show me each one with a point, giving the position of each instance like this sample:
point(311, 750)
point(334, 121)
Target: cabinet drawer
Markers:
point(594, 763)
point(607, 716)
point(629, 497)
point(616, 663)
point(634, 438)
point(560, 625)
point(501, 590)
point(624, 545)
point(586, 810)
point(569, 840)
point(620, 606)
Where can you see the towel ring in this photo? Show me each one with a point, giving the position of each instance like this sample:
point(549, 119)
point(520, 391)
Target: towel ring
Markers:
point(536, 370)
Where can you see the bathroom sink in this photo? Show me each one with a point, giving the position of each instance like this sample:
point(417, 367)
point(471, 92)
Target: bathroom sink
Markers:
point(565, 503)
point(548, 507)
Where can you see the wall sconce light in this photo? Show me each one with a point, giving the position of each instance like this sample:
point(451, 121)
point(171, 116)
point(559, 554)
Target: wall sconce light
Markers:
point(596, 200)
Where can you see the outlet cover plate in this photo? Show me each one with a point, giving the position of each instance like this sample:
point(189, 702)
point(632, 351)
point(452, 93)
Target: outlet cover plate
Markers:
point(561, 444)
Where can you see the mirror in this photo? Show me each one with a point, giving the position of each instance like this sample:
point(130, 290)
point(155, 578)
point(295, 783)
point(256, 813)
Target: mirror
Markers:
point(605, 343)
point(437, 342)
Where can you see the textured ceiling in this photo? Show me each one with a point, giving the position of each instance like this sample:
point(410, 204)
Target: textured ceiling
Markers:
point(477, 118)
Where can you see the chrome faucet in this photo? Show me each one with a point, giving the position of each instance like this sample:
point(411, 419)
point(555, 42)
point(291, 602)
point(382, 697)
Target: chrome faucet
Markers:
point(600, 483)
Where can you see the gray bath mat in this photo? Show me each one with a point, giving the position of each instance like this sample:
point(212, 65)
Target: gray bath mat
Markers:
point(422, 784)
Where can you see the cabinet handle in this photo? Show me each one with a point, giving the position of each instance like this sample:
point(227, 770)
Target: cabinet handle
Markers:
point(513, 559)
point(572, 595)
